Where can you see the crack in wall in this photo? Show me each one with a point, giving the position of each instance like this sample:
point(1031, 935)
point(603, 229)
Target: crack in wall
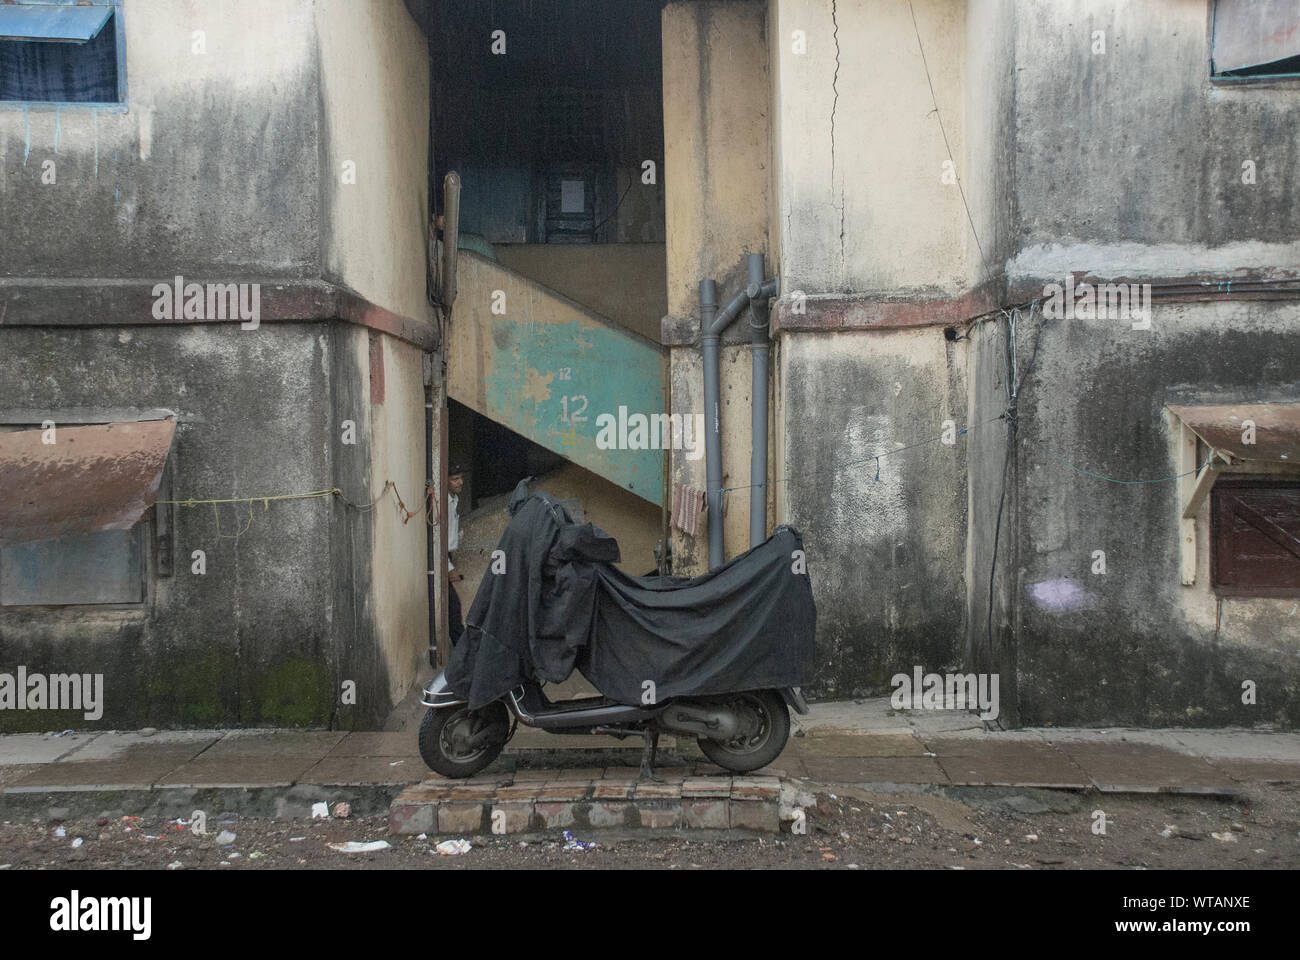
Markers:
point(835, 100)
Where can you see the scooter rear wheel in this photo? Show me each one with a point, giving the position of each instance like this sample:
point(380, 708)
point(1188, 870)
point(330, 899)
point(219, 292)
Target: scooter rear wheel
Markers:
point(445, 732)
point(762, 745)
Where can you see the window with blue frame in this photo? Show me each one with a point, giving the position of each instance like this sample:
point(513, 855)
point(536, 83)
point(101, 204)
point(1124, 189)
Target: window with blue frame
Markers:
point(61, 52)
point(1255, 39)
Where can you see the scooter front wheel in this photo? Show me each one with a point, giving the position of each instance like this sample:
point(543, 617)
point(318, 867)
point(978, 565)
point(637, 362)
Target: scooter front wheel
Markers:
point(762, 743)
point(458, 742)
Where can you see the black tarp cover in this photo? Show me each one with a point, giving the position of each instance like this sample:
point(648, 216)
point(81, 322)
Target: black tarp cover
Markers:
point(560, 604)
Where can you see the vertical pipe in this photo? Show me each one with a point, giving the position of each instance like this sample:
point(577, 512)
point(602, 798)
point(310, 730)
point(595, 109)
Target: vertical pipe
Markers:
point(430, 501)
point(758, 394)
point(712, 418)
point(450, 236)
point(444, 432)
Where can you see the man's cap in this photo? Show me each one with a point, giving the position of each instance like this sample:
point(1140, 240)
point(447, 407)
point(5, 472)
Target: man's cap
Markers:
point(456, 468)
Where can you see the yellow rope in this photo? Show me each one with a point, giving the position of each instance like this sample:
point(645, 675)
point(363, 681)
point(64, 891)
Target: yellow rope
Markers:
point(313, 495)
point(265, 501)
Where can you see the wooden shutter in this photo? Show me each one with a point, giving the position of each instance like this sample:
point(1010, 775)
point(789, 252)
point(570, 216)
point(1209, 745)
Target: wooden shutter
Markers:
point(1256, 538)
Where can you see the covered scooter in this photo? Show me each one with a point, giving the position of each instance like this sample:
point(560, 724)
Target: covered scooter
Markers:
point(720, 657)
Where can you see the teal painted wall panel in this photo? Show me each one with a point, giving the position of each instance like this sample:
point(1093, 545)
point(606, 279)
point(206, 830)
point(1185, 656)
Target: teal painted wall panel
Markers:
point(553, 381)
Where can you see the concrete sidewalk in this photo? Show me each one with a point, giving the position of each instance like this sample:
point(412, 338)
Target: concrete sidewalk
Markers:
point(861, 743)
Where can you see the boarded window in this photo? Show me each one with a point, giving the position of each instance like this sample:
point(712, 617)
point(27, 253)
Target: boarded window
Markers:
point(61, 53)
point(1256, 537)
point(102, 567)
point(1255, 38)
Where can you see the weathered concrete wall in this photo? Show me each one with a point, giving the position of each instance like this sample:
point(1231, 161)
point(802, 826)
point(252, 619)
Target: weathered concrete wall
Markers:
point(622, 281)
point(227, 166)
point(862, 211)
point(991, 493)
point(1069, 161)
point(211, 172)
point(987, 170)
point(374, 90)
point(862, 207)
point(686, 383)
point(1134, 646)
point(716, 148)
point(357, 604)
point(887, 555)
point(527, 358)
point(398, 554)
point(254, 640)
point(717, 103)
point(1129, 163)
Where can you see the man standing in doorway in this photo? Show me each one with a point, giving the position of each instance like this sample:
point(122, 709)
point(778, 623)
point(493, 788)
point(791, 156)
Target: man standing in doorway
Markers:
point(455, 483)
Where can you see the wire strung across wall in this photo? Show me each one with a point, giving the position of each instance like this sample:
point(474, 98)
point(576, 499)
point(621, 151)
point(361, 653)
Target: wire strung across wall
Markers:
point(428, 509)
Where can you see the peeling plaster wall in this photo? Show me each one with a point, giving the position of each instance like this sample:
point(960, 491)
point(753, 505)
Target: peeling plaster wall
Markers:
point(886, 556)
point(254, 418)
point(716, 107)
point(211, 172)
point(861, 210)
point(374, 102)
point(717, 103)
point(223, 167)
point(991, 485)
point(1134, 646)
point(862, 207)
point(1129, 163)
point(691, 554)
point(988, 174)
point(399, 559)
point(1123, 164)
point(375, 107)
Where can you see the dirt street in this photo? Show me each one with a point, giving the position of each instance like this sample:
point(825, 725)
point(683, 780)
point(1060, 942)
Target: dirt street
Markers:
point(846, 830)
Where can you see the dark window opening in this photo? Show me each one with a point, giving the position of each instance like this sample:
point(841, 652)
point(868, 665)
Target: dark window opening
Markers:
point(1287, 67)
point(1255, 537)
point(41, 63)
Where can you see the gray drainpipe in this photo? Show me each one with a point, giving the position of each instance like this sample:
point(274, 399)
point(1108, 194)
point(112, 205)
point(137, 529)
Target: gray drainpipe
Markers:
point(711, 326)
point(759, 293)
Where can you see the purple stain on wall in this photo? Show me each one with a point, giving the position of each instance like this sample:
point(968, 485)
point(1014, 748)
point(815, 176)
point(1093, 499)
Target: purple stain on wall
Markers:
point(1059, 596)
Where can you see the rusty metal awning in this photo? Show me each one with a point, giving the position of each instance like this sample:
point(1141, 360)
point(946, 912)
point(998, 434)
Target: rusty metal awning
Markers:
point(1223, 427)
point(101, 477)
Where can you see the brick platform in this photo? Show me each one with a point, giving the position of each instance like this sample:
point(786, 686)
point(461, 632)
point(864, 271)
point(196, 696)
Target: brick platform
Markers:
point(554, 800)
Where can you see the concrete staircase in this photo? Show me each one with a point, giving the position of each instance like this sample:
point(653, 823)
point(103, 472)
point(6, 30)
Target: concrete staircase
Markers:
point(550, 369)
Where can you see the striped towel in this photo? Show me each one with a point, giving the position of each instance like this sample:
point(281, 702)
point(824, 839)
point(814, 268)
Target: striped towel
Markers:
point(688, 504)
